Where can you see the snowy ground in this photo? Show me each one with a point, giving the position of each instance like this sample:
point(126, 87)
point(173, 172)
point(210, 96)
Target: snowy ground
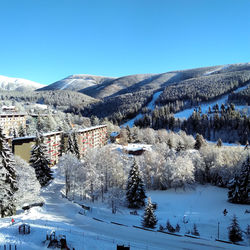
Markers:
point(202, 206)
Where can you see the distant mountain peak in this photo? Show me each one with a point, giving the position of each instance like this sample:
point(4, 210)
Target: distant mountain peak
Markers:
point(18, 84)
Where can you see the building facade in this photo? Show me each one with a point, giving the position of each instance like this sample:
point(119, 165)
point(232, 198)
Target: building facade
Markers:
point(92, 137)
point(21, 146)
point(12, 121)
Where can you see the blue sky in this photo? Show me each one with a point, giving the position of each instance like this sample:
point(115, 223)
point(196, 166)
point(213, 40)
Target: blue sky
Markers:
point(47, 40)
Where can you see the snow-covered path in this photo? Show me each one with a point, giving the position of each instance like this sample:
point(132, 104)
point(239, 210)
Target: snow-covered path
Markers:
point(62, 215)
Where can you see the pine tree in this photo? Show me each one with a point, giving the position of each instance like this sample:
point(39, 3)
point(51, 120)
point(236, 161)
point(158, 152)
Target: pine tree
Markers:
point(195, 230)
point(180, 147)
point(62, 148)
point(76, 146)
point(170, 143)
point(219, 143)
point(70, 145)
point(40, 161)
point(135, 188)
point(239, 187)
point(169, 227)
point(149, 218)
point(177, 228)
point(21, 131)
point(8, 184)
point(234, 231)
point(199, 142)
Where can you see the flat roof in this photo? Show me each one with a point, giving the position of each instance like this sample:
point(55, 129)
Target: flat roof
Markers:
point(32, 137)
point(91, 128)
point(13, 114)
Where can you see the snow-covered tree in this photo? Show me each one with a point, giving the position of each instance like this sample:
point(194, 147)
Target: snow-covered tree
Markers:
point(21, 131)
point(181, 171)
point(219, 142)
point(234, 231)
point(239, 187)
point(116, 198)
point(72, 146)
point(135, 188)
point(75, 145)
point(149, 219)
point(28, 185)
point(199, 141)
point(40, 161)
point(8, 185)
point(69, 166)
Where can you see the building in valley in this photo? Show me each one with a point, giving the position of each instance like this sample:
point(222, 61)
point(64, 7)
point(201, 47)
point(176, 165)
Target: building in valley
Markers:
point(21, 146)
point(12, 121)
point(92, 137)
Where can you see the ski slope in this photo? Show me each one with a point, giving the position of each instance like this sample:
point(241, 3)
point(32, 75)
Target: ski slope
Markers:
point(205, 106)
point(202, 206)
point(150, 106)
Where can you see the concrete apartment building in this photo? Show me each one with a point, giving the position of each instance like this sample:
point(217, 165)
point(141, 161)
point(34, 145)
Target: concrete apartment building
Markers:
point(21, 146)
point(12, 121)
point(92, 137)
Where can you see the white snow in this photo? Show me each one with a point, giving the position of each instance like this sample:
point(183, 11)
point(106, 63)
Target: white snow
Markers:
point(202, 206)
point(204, 107)
point(11, 83)
point(67, 84)
point(133, 147)
point(151, 106)
point(215, 70)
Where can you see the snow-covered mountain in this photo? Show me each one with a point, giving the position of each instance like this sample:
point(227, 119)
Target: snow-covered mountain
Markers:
point(18, 84)
point(103, 87)
point(77, 82)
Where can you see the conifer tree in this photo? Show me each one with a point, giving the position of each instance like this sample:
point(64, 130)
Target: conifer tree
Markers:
point(234, 231)
point(239, 187)
point(70, 145)
point(75, 145)
point(170, 143)
point(180, 147)
point(199, 141)
point(40, 161)
point(149, 218)
point(219, 143)
point(195, 230)
point(135, 188)
point(8, 184)
point(21, 131)
point(169, 227)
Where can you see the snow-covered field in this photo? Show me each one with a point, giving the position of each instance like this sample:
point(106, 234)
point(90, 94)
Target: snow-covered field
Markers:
point(203, 206)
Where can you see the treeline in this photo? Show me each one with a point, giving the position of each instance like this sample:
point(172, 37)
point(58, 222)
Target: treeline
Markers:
point(119, 108)
point(240, 98)
point(175, 160)
point(193, 91)
point(61, 99)
point(221, 122)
